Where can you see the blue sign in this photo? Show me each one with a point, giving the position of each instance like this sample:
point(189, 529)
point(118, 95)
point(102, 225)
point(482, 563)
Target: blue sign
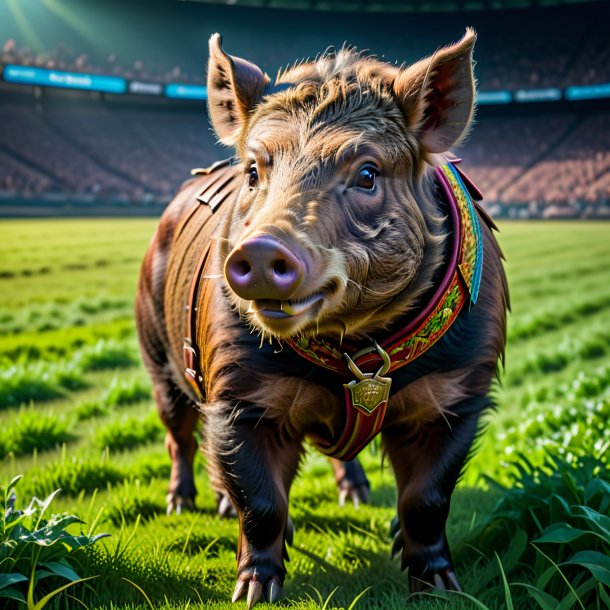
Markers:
point(494, 97)
point(187, 92)
point(145, 88)
point(589, 92)
point(26, 75)
point(550, 94)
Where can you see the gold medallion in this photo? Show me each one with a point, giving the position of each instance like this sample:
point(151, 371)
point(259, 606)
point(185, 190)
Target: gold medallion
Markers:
point(369, 391)
point(368, 394)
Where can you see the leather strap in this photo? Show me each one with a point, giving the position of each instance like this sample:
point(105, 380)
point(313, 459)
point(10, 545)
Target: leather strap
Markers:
point(192, 370)
point(223, 178)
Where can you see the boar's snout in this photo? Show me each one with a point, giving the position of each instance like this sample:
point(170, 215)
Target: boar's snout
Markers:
point(263, 268)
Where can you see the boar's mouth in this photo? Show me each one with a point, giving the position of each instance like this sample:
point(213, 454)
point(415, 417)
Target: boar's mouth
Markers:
point(290, 317)
point(276, 309)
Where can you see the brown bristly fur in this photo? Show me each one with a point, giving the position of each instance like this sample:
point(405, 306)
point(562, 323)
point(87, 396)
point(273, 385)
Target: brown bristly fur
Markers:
point(370, 257)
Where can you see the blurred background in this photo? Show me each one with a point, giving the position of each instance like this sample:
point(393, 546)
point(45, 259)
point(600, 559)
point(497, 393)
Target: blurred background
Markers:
point(102, 103)
point(103, 113)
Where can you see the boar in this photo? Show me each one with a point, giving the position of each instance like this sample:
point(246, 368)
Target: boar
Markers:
point(334, 280)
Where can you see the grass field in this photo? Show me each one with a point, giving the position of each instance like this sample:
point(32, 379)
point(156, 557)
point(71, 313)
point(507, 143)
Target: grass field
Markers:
point(76, 414)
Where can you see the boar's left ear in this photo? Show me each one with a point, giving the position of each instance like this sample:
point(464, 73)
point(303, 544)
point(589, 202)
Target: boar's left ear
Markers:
point(234, 87)
point(437, 95)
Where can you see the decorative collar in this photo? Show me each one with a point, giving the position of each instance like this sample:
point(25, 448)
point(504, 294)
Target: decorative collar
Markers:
point(367, 396)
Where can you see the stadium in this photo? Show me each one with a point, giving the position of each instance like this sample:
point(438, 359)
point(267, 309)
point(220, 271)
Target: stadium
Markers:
point(540, 148)
point(103, 115)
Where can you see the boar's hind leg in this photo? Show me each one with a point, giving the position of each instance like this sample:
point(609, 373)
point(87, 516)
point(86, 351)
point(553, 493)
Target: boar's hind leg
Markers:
point(351, 481)
point(256, 468)
point(180, 417)
point(427, 466)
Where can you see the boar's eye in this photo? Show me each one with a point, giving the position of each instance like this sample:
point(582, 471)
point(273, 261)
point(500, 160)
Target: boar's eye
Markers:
point(252, 177)
point(366, 177)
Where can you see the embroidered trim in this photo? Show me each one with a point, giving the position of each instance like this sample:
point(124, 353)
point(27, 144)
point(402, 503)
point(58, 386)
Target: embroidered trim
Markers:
point(472, 249)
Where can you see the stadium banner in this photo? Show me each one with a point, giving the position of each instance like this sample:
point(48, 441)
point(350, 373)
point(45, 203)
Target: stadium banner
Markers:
point(589, 92)
point(143, 88)
point(549, 94)
point(494, 97)
point(27, 75)
point(186, 92)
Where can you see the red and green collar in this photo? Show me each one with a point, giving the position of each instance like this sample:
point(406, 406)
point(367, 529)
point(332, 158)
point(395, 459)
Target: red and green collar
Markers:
point(366, 397)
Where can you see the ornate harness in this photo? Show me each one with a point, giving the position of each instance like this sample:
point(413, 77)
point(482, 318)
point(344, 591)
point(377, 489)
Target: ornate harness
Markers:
point(366, 396)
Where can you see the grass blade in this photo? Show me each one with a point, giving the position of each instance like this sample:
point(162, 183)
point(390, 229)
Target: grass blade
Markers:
point(135, 586)
point(507, 594)
point(45, 600)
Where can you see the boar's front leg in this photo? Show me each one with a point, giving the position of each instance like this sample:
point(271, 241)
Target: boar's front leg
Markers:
point(180, 417)
point(252, 462)
point(427, 464)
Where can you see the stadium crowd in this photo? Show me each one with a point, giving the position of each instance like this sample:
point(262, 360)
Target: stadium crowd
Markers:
point(527, 162)
point(513, 53)
point(543, 64)
point(92, 152)
point(542, 164)
point(64, 57)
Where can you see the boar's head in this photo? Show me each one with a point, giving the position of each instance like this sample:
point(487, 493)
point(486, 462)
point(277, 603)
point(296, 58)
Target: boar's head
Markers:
point(336, 229)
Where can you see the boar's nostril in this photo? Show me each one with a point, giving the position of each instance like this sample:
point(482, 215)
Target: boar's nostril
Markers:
point(242, 268)
point(280, 267)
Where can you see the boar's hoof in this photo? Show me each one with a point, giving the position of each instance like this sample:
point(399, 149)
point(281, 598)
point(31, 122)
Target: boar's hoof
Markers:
point(178, 504)
point(289, 535)
point(396, 536)
point(271, 592)
point(226, 510)
point(353, 484)
point(274, 591)
point(444, 580)
point(358, 494)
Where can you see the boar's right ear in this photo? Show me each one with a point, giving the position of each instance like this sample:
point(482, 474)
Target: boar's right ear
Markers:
point(234, 87)
point(436, 95)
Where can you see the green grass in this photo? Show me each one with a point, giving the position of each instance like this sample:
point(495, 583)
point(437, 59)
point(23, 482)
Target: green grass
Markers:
point(129, 431)
point(77, 414)
point(33, 431)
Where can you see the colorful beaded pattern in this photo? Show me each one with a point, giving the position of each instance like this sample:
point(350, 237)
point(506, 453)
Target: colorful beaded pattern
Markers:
point(471, 263)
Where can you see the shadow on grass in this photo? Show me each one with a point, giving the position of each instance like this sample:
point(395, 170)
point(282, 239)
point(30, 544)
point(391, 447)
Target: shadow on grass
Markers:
point(160, 577)
point(196, 564)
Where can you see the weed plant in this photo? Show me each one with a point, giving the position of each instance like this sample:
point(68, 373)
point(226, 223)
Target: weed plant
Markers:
point(150, 466)
point(60, 344)
point(106, 354)
point(530, 326)
point(552, 526)
point(38, 554)
point(572, 428)
point(42, 381)
point(74, 475)
point(132, 501)
point(549, 361)
point(90, 409)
